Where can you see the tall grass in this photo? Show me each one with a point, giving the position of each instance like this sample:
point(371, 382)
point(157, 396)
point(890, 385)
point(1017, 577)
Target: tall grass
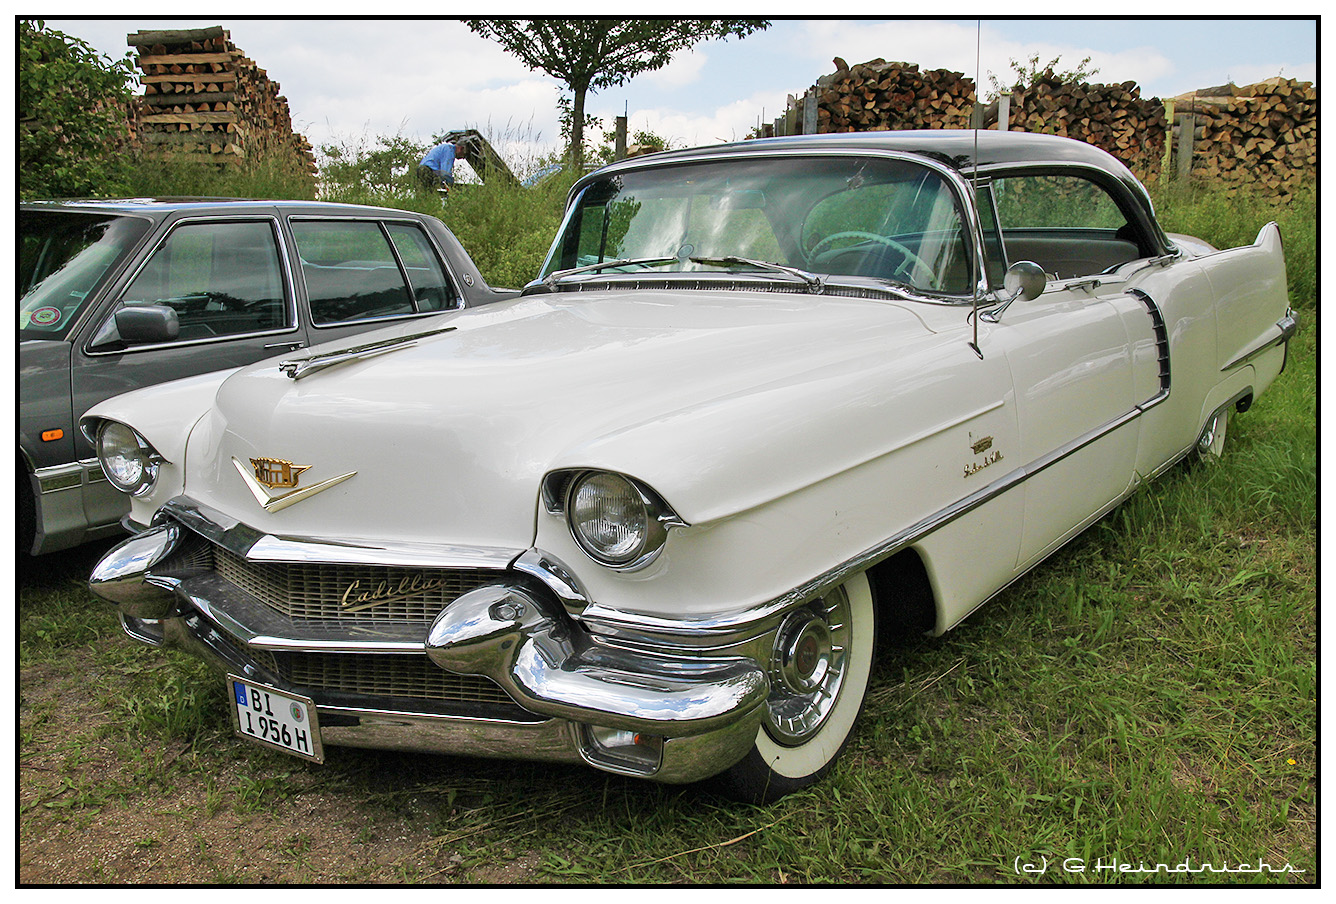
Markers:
point(1229, 219)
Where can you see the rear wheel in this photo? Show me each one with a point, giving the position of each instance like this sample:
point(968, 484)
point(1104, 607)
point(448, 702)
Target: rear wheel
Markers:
point(819, 676)
point(1211, 442)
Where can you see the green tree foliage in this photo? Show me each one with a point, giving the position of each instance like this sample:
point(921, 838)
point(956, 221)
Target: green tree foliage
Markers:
point(72, 127)
point(594, 54)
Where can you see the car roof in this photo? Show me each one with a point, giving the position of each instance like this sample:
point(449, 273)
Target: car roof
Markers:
point(163, 206)
point(958, 149)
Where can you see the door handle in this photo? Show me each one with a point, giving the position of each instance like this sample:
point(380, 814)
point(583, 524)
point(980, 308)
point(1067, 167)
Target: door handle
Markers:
point(286, 346)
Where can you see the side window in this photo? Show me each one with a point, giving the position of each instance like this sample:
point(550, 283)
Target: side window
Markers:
point(352, 272)
point(431, 289)
point(221, 278)
point(1068, 225)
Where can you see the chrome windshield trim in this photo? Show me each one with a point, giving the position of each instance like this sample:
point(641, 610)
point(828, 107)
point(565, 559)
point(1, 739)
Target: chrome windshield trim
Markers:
point(257, 546)
point(964, 192)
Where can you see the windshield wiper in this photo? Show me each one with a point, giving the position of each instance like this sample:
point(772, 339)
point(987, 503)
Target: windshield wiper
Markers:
point(551, 279)
point(814, 282)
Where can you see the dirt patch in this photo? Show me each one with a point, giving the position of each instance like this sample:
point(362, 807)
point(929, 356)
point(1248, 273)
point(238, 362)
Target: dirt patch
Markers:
point(99, 807)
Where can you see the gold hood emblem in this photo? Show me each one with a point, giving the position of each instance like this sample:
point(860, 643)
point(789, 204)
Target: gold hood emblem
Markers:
point(268, 474)
point(277, 473)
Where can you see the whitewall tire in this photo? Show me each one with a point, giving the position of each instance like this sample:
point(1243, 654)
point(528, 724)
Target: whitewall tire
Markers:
point(818, 679)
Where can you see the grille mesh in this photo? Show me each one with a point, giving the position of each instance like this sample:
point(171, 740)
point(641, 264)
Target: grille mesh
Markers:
point(411, 676)
point(320, 591)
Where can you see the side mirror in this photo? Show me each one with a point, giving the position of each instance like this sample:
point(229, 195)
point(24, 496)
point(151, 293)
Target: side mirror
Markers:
point(139, 324)
point(1024, 281)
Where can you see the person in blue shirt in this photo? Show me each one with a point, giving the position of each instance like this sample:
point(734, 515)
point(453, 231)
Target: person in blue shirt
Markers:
point(437, 169)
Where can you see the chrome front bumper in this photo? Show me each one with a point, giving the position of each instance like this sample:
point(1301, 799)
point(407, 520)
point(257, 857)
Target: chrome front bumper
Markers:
point(659, 714)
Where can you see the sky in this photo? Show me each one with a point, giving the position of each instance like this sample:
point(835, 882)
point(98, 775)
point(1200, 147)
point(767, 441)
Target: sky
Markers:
point(348, 81)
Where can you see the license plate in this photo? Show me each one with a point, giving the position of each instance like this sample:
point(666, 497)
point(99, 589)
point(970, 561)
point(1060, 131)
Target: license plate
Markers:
point(275, 718)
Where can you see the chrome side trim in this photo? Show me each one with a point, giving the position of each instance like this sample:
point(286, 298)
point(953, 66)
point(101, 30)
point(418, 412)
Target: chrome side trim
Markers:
point(1287, 326)
point(66, 476)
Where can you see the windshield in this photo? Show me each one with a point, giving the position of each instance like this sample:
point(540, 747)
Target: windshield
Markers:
point(63, 258)
point(884, 219)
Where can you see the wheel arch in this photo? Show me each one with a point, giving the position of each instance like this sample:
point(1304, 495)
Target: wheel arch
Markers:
point(904, 596)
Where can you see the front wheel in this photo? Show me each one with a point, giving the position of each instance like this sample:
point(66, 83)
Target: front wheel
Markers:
point(819, 676)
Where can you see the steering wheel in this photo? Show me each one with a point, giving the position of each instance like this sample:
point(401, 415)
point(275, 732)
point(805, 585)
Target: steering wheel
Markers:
point(909, 256)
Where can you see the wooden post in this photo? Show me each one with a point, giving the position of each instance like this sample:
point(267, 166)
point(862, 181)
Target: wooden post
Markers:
point(809, 112)
point(619, 148)
point(1166, 165)
point(1003, 112)
point(1187, 128)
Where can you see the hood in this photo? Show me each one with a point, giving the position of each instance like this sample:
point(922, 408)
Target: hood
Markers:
point(449, 437)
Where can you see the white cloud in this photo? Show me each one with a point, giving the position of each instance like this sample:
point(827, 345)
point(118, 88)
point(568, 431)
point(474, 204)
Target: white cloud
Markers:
point(684, 69)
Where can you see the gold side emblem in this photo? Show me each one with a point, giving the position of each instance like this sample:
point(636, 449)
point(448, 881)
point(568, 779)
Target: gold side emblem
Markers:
point(276, 473)
point(979, 447)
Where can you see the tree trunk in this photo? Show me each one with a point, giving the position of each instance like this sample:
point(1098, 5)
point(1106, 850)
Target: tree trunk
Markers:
point(577, 125)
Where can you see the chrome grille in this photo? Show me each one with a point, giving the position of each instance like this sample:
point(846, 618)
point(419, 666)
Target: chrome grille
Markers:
point(410, 676)
point(318, 591)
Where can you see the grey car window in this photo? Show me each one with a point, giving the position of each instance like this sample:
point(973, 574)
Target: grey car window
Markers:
point(351, 271)
point(221, 278)
point(431, 288)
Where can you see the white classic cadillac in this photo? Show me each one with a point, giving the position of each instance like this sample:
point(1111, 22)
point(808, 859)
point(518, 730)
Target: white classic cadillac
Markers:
point(763, 400)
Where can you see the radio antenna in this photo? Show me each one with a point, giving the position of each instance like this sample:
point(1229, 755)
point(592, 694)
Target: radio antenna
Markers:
point(976, 120)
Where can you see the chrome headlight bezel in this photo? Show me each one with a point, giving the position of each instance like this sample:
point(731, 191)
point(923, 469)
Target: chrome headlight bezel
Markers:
point(598, 504)
point(129, 462)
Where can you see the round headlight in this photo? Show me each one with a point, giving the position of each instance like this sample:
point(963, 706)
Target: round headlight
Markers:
point(613, 520)
point(126, 458)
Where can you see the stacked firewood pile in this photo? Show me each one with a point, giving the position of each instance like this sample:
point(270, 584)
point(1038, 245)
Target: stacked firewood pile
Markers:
point(878, 95)
point(204, 99)
point(1263, 136)
point(1112, 117)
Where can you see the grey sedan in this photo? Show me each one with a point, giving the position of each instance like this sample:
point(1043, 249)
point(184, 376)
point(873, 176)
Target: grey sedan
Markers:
point(115, 295)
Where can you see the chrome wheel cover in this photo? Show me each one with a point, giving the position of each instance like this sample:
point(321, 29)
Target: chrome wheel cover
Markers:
point(807, 668)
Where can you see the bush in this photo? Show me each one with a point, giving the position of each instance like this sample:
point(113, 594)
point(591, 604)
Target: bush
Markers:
point(72, 129)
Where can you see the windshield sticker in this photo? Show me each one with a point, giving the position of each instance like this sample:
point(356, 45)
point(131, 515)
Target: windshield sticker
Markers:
point(46, 316)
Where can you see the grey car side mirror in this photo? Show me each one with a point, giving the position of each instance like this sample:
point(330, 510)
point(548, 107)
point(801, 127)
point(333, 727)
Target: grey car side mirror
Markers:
point(139, 324)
